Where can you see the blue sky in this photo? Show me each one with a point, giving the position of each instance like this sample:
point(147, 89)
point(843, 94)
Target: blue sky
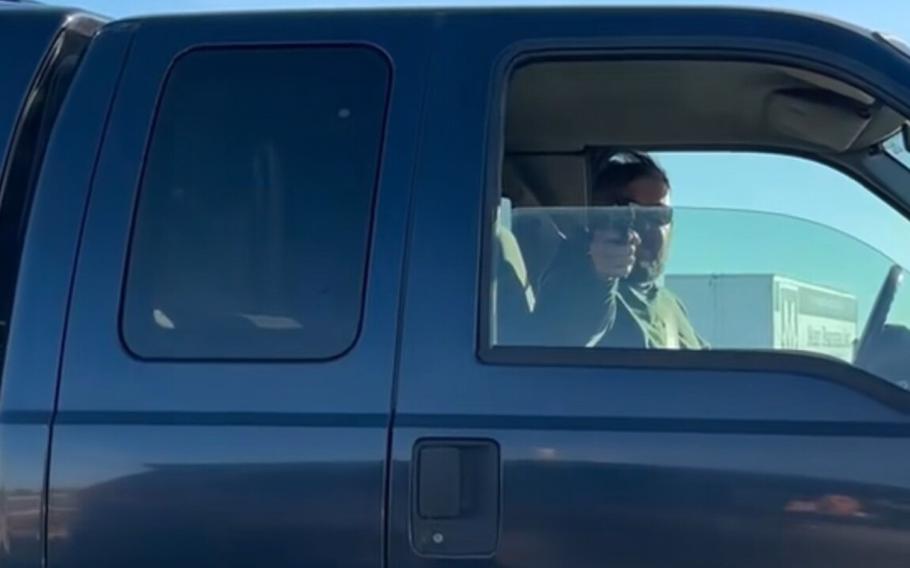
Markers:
point(824, 227)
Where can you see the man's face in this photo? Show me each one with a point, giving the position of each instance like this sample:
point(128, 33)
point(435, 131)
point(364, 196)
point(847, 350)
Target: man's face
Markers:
point(653, 226)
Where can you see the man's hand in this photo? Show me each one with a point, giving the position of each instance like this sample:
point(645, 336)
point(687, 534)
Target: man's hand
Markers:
point(613, 254)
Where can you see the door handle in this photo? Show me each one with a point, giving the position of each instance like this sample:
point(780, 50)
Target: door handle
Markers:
point(439, 482)
point(455, 504)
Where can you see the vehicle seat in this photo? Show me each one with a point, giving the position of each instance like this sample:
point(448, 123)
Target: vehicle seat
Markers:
point(513, 293)
point(538, 238)
point(558, 181)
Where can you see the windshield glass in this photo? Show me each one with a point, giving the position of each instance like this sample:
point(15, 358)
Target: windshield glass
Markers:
point(895, 148)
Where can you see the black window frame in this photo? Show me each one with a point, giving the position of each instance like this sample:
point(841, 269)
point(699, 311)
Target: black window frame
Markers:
point(371, 218)
point(735, 360)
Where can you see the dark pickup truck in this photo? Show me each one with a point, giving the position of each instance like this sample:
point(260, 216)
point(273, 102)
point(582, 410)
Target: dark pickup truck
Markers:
point(536, 288)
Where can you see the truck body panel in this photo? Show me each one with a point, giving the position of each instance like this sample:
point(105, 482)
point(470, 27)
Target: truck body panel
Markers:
point(109, 456)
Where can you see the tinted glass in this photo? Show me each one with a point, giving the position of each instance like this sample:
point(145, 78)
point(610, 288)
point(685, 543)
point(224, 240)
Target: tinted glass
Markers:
point(252, 228)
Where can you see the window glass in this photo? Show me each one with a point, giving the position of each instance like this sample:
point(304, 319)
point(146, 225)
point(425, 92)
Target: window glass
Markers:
point(601, 242)
point(895, 148)
point(709, 251)
point(253, 220)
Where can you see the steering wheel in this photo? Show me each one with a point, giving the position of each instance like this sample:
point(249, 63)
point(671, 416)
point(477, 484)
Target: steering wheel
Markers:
point(875, 325)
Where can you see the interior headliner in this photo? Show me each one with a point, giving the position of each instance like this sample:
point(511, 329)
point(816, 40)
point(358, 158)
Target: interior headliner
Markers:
point(567, 106)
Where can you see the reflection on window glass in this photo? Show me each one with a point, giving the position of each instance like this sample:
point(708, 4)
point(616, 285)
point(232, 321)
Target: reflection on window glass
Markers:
point(632, 270)
point(253, 218)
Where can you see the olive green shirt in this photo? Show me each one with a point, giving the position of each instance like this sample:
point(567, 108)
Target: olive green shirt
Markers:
point(575, 308)
point(661, 316)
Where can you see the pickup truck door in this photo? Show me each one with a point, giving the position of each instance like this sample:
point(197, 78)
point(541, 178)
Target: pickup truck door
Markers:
point(499, 462)
point(261, 457)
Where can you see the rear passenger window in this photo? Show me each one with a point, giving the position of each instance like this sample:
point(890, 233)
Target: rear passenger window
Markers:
point(253, 220)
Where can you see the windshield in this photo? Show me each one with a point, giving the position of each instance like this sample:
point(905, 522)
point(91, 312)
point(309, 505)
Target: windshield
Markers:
point(895, 148)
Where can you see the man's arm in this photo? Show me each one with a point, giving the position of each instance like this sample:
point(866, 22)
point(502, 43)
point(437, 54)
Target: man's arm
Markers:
point(573, 302)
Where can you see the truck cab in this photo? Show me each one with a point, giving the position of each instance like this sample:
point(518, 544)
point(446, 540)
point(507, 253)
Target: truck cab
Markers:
point(441, 287)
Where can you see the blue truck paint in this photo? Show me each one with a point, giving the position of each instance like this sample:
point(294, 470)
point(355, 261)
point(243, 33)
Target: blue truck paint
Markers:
point(33, 356)
point(613, 466)
point(108, 460)
point(28, 36)
point(312, 435)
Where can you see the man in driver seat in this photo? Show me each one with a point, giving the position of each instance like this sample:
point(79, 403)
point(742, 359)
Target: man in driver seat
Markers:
point(604, 286)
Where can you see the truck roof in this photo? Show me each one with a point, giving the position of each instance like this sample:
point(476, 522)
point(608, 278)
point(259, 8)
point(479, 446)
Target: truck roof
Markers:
point(483, 8)
point(486, 6)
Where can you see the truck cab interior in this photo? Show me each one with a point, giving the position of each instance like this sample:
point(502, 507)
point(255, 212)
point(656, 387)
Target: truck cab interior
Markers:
point(563, 118)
